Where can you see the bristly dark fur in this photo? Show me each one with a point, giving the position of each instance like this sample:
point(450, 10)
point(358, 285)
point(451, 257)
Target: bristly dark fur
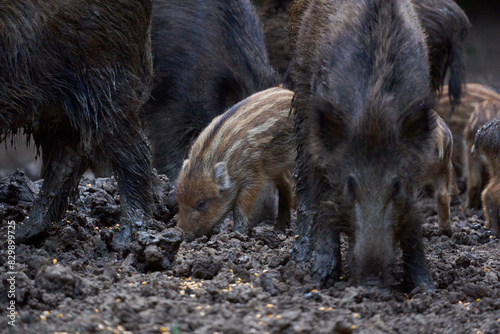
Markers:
point(446, 26)
point(208, 56)
point(275, 14)
point(73, 73)
point(367, 61)
point(76, 74)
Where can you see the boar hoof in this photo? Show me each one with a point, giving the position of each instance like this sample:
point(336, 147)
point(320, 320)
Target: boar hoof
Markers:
point(326, 279)
point(30, 232)
point(123, 238)
point(423, 282)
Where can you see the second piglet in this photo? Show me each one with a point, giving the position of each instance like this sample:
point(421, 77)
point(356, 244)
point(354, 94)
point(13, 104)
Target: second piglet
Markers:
point(487, 146)
point(477, 174)
point(241, 150)
point(439, 172)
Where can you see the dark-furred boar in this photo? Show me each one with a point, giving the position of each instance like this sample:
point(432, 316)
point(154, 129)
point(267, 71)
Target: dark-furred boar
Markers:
point(363, 129)
point(208, 55)
point(74, 74)
point(445, 25)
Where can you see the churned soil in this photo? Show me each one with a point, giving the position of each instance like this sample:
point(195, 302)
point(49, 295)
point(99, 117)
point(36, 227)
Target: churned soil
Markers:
point(74, 281)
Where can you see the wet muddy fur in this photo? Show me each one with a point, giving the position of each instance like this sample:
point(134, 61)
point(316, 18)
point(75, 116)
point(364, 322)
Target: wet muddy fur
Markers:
point(363, 122)
point(201, 70)
point(75, 76)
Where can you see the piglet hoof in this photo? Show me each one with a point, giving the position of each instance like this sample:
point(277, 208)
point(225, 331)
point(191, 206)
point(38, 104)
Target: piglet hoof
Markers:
point(243, 229)
point(455, 200)
point(188, 236)
point(31, 231)
point(445, 230)
point(241, 224)
point(281, 224)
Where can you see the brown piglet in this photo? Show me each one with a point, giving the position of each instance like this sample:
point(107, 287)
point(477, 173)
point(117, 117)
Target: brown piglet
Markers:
point(439, 172)
point(487, 146)
point(477, 175)
point(232, 159)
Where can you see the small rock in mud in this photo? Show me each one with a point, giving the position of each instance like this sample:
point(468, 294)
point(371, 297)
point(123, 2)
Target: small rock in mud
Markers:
point(17, 193)
point(157, 250)
point(270, 237)
point(165, 205)
point(268, 285)
point(205, 267)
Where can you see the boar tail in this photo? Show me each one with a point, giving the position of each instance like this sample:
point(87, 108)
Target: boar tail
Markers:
point(457, 76)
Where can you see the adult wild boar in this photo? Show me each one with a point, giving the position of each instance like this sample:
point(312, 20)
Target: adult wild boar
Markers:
point(208, 56)
point(363, 125)
point(75, 74)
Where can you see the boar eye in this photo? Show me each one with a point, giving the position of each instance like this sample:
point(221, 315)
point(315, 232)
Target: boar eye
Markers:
point(396, 188)
point(351, 187)
point(202, 205)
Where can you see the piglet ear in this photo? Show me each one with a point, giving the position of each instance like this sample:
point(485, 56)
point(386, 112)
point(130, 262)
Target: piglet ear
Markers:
point(328, 123)
point(221, 176)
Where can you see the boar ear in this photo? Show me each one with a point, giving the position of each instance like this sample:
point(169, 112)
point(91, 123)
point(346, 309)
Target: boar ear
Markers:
point(418, 121)
point(328, 122)
point(221, 176)
point(225, 90)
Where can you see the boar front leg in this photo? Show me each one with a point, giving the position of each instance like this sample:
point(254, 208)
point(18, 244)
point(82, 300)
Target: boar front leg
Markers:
point(414, 262)
point(326, 256)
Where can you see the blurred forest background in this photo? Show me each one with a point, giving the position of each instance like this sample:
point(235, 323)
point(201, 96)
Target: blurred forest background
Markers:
point(483, 59)
point(483, 42)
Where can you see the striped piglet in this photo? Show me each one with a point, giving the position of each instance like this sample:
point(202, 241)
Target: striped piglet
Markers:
point(232, 159)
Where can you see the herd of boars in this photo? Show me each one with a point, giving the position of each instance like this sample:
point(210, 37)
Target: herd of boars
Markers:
point(342, 106)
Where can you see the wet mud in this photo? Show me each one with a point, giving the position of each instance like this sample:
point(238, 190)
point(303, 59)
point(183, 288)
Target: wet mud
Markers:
point(74, 281)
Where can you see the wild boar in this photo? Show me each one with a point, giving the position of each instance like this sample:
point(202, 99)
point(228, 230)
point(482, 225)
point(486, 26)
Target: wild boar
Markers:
point(363, 129)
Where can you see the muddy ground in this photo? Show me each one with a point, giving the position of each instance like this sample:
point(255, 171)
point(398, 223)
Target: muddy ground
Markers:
point(228, 283)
